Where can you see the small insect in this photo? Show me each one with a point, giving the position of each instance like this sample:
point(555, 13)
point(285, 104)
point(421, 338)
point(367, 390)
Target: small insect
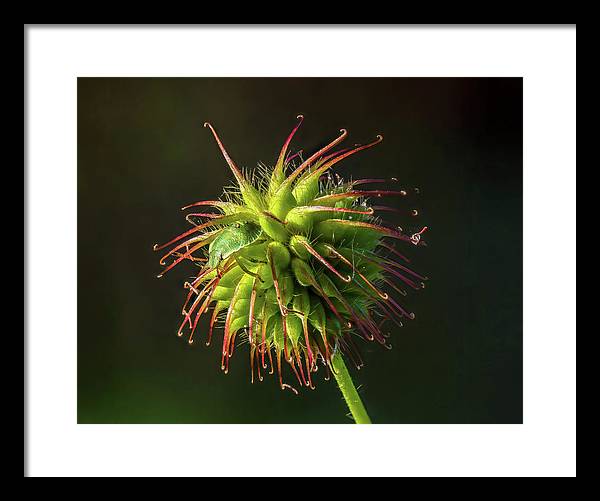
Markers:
point(416, 237)
point(231, 240)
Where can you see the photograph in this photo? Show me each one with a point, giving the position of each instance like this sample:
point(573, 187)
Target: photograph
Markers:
point(242, 241)
point(330, 250)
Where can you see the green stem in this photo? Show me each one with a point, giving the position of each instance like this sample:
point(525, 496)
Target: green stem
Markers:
point(344, 381)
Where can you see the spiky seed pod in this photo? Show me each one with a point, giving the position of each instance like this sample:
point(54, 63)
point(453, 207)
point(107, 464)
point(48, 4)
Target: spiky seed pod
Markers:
point(295, 262)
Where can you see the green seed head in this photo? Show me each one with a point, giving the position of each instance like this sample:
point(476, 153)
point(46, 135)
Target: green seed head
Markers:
point(296, 262)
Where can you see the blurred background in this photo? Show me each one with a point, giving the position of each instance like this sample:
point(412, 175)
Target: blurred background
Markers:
point(143, 154)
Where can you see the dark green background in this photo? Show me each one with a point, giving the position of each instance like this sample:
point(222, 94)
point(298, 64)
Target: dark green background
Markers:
point(143, 154)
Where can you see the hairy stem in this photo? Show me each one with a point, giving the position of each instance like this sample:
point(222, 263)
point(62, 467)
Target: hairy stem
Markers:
point(344, 381)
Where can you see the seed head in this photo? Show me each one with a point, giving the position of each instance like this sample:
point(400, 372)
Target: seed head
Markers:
point(295, 260)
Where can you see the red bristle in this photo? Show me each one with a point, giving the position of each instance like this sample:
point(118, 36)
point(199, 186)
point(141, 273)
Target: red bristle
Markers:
point(316, 155)
point(236, 172)
point(325, 263)
point(359, 193)
point(280, 160)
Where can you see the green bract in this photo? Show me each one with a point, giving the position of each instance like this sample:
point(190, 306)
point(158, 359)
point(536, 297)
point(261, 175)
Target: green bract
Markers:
point(295, 262)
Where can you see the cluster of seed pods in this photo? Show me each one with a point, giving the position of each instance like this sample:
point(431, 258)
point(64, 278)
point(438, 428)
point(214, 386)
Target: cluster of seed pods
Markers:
point(295, 261)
